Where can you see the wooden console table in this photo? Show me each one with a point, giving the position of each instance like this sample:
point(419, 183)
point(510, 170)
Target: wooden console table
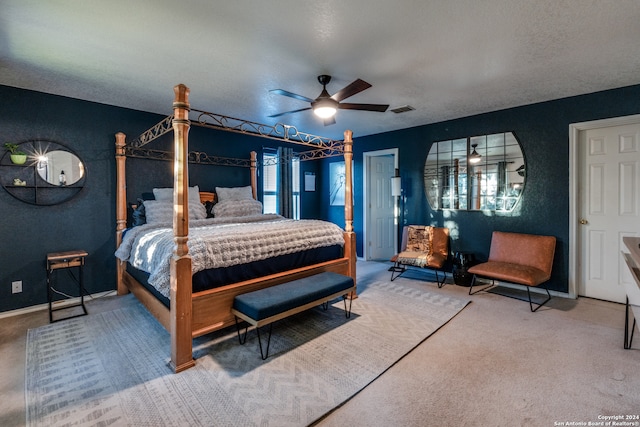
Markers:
point(632, 289)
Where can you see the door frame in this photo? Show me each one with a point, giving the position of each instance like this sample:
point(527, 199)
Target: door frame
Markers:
point(365, 197)
point(575, 129)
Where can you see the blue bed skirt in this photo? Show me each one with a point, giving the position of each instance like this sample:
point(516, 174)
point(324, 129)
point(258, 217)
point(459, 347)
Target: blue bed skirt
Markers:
point(216, 277)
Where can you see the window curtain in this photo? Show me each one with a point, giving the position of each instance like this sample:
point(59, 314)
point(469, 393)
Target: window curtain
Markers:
point(285, 195)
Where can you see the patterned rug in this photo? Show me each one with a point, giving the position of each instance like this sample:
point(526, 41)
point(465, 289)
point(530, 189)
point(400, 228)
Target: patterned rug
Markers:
point(110, 369)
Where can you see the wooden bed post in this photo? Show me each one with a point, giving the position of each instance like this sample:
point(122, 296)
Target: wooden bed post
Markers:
point(254, 174)
point(181, 315)
point(121, 207)
point(350, 236)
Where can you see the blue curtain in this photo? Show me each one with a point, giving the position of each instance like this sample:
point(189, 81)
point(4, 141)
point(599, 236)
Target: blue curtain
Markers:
point(285, 193)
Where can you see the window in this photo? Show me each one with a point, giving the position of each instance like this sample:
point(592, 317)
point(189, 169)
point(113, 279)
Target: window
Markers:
point(273, 180)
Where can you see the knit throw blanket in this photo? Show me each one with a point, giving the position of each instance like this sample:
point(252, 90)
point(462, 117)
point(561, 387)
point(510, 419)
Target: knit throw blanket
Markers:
point(418, 259)
point(223, 242)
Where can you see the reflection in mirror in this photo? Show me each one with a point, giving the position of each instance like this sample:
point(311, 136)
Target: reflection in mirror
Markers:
point(478, 173)
point(60, 167)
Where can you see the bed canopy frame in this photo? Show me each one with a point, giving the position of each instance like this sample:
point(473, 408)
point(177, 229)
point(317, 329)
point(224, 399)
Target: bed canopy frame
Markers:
point(194, 314)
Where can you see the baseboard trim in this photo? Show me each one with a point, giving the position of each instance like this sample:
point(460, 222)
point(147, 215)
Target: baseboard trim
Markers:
point(56, 304)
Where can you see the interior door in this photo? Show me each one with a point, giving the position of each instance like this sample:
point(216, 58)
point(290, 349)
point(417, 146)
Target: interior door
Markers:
point(609, 191)
point(381, 218)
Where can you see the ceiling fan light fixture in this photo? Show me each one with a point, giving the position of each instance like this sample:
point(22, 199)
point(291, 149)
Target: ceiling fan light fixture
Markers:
point(474, 157)
point(325, 108)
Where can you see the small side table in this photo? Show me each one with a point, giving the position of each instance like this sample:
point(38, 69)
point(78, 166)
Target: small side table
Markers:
point(461, 263)
point(64, 260)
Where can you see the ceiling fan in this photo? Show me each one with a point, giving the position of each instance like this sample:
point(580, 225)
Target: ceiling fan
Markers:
point(325, 105)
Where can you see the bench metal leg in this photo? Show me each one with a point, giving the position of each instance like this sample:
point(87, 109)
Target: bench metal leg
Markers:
point(264, 355)
point(242, 338)
point(347, 312)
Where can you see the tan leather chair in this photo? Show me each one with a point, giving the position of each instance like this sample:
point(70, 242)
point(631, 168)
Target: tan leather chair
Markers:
point(523, 259)
point(422, 246)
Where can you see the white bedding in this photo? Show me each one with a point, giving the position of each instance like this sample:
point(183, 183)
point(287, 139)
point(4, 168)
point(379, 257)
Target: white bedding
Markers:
point(223, 242)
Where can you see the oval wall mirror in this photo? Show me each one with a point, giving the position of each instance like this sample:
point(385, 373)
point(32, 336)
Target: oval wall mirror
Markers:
point(60, 167)
point(484, 173)
point(51, 174)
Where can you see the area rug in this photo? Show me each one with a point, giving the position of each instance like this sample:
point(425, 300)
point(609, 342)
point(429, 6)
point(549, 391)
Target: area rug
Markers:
point(110, 369)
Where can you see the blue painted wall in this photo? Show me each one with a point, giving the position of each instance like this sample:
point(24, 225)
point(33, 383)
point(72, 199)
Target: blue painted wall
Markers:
point(88, 221)
point(543, 131)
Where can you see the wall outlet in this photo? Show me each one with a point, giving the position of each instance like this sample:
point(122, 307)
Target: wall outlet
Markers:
point(16, 287)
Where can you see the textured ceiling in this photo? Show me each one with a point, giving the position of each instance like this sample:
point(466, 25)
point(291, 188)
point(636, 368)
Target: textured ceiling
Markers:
point(447, 59)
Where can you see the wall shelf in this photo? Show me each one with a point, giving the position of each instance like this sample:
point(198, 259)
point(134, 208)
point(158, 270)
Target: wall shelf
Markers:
point(39, 188)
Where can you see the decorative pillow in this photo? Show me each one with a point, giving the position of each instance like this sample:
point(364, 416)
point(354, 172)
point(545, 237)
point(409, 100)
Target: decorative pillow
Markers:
point(234, 193)
point(208, 206)
point(419, 238)
point(232, 208)
point(167, 194)
point(161, 211)
point(139, 216)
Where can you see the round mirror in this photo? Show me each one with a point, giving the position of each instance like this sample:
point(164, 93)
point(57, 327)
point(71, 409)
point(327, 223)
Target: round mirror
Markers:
point(60, 167)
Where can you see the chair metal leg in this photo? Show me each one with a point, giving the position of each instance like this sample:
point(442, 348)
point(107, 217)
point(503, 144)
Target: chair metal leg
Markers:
point(473, 282)
point(444, 279)
point(542, 303)
point(397, 268)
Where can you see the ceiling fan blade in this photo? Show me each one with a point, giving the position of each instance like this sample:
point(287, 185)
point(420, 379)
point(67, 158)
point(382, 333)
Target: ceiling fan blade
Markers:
point(291, 95)
point(365, 107)
point(290, 112)
point(351, 89)
point(329, 121)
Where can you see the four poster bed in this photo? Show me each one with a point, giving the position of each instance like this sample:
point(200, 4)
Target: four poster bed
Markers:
point(190, 307)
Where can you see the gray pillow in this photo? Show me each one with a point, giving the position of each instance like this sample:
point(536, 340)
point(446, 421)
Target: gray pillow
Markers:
point(234, 193)
point(167, 194)
point(161, 211)
point(235, 208)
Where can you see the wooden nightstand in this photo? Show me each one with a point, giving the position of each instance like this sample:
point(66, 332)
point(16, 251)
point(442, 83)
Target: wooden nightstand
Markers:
point(66, 260)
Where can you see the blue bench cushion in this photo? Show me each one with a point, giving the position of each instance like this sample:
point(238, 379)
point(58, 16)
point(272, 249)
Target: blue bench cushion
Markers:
point(274, 300)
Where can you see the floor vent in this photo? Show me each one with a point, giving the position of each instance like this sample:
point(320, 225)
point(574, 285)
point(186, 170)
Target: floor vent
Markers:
point(402, 109)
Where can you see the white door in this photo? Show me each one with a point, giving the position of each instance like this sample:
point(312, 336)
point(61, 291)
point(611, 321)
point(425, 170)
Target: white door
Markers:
point(609, 207)
point(380, 208)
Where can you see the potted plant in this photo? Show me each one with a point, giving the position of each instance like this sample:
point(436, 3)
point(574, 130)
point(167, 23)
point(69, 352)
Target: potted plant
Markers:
point(17, 157)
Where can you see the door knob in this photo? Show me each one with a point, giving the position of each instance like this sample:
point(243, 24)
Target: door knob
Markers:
point(584, 221)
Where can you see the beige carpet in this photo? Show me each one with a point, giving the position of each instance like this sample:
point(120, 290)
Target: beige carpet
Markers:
point(110, 368)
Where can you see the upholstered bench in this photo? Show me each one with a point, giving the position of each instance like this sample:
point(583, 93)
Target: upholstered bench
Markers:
point(265, 306)
point(523, 259)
